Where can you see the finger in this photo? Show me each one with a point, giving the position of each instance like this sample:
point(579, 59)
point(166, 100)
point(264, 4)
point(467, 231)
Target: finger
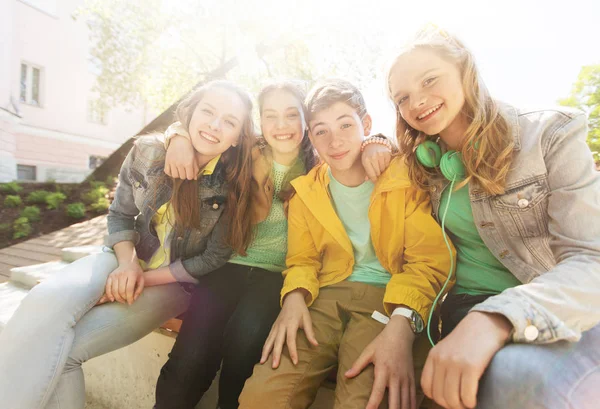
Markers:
point(405, 394)
point(308, 329)
point(115, 290)
point(174, 172)
point(123, 287)
point(413, 394)
point(371, 172)
point(381, 163)
point(427, 377)
point(452, 388)
point(439, 379)
point(378, 390)
point(129, 289)
point(189, 172)
point(278, 347)
point(139, 286)
point(167, 169)
point(394, 394)
point(196, 171)
point(268, 346)
point(181, 171)
point(291, 344)
point(469, 385)
point(387, 160)
point(360, 364)
point(108, 289)
point(102, 300)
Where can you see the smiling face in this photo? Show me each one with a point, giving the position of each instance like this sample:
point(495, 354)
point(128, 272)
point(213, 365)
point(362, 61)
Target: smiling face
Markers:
point(217, 122)
point(282, 122)
point(427, 91)
point(337, 133)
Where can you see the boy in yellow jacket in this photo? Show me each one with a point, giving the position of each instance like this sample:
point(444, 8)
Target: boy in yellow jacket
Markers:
point(355, 249)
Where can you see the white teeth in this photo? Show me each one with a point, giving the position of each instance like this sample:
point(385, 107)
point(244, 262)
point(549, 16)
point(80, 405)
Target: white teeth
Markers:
point(209, 137)
point(432, 110)
point(283, 137)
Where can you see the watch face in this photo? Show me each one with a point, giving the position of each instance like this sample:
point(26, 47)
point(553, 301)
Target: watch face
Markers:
point(418, 323)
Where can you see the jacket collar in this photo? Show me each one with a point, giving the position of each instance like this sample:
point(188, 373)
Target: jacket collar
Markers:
point(313, 190)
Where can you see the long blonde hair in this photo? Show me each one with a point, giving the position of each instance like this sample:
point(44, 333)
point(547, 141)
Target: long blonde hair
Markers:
point(488, 144)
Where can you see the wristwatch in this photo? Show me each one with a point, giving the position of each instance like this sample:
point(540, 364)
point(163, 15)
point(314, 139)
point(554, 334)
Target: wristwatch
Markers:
point(416, 322)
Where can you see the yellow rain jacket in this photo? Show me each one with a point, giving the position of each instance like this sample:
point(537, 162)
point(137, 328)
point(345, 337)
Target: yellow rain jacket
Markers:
point(407, 240)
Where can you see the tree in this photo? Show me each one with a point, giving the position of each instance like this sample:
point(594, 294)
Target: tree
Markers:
point(585, 95)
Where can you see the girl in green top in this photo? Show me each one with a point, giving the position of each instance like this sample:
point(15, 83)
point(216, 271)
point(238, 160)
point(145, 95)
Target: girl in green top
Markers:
point(232, 310)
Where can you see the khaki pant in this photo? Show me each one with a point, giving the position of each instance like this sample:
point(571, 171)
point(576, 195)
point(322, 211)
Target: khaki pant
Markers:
point(341, 317)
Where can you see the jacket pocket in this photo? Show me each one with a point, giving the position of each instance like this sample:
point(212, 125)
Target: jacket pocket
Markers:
point(524, 209)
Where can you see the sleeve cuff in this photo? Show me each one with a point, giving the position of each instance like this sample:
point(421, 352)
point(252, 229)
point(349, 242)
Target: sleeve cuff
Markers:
point(529, 326)
point(124, 235)
point(180, 273)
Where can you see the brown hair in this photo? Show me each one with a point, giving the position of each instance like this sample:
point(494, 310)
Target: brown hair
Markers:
point(328, 92)
point(238, 174)
point(308, 158)
point(488, 144)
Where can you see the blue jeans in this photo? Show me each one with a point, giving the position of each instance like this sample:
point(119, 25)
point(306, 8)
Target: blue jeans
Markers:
point(561, 375)
point(57, 327)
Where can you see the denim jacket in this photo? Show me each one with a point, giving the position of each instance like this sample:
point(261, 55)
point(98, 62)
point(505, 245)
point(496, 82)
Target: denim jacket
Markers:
point(545, 229)
point(143, 189)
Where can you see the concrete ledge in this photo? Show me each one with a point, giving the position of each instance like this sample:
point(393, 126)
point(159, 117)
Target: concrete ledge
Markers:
point(30, 276)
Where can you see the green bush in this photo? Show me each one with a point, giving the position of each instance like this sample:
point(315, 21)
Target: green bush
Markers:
point(95, 194)
point(21, 228)
point(95, 184)
point(101, 205)
point(4, 227)
point(54, 200)
point(11, 187)
point(32, 213)
point(38, 197)
point(110, 180)
point(76, 210)
point(12, 201)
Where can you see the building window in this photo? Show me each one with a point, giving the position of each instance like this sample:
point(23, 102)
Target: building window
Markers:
point(97, 113)
point(96, 161)
point(31, 82)
point(26, 172)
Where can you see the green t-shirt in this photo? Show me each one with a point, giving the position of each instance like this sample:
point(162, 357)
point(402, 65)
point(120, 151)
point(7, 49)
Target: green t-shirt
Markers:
point(352, 207)
point(269, 246)
point(477, 270)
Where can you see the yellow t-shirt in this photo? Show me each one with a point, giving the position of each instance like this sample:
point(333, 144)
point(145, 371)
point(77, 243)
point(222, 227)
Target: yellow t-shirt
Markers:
point(163, 227)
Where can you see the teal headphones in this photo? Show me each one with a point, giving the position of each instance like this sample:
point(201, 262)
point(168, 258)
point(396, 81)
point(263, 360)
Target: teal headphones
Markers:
point(429, 154)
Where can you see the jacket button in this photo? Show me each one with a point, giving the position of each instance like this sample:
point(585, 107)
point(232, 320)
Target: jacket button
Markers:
point(531, 333)
point(523, 203)
point(136, 184)
point(215, 206)
point(504, 253)
point(433, 188)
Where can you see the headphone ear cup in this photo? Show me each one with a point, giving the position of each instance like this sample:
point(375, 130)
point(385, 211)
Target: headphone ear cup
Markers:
point(452, 167)
point(429, 154)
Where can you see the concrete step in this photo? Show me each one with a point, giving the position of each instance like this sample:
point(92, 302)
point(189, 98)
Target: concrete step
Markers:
point(71, 254)
point(11, 295)
point(30, 276)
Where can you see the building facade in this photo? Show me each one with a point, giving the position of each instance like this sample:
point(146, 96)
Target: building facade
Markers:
point(50, 127)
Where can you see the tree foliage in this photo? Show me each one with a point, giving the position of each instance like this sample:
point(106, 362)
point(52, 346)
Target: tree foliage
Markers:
point(585, 95)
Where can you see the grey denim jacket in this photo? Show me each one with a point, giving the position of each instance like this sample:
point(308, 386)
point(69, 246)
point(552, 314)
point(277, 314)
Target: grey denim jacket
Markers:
point(143, 189)
point(545, 229)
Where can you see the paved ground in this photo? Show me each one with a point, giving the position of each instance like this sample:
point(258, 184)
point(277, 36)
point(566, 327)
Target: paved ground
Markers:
point(48, 247)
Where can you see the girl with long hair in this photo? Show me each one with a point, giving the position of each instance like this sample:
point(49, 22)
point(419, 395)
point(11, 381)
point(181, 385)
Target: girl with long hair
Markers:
point(164, 235)
point(519, 195)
